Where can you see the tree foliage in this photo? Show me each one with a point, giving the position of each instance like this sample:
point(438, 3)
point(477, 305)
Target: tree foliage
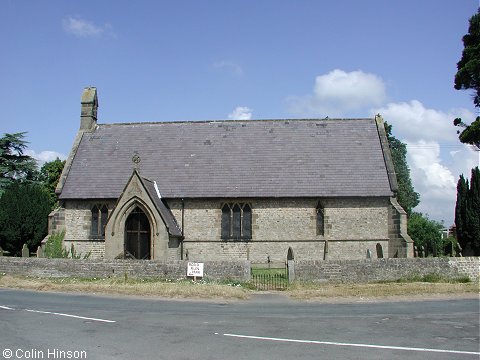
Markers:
point(467, 213)
point(468, 78)
point(26, 195)
point(407, 197)
point(24, 209)
point(426, 233)
point(49, 176)
point(14, 164)
point(54, 246)
point(468, 74)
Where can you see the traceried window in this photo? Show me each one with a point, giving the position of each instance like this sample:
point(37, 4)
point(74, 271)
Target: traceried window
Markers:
point(320, 220)
point(236, 222)
point(99, 220)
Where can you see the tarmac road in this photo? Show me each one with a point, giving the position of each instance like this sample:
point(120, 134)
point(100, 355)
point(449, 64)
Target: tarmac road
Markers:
point(38, 325)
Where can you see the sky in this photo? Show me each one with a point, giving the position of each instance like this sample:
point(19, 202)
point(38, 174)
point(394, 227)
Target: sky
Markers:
point(262, 59)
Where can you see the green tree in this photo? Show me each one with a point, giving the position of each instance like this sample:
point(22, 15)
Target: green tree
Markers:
point(461, 211)
point(24, 209)
point(49, 176)
point(426, 233)
point(54, 246)
point(473, 211)
point(468, 78)
point(467, 213)
point(407, 197)
point(14, 164)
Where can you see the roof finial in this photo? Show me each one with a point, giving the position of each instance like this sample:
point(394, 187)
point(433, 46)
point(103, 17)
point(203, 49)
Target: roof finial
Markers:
point(136, 160)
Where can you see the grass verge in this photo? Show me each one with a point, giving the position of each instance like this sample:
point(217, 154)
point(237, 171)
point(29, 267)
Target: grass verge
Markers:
point(367, 291)
point(408, 288)
point(138, 287)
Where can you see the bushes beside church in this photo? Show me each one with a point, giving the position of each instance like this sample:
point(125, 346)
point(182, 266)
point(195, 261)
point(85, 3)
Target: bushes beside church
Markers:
point(24, 210)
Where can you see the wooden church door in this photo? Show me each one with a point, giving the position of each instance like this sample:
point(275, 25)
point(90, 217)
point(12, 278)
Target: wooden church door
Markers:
point(137, 236)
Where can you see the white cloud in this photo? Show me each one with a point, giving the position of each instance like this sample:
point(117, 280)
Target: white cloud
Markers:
point(45, 156)
point(426, 159)
point(413, 121)
point(228, 66)
point(84, 28)
point(241, 113)
point(338, 93)
point(431, 178)
point(435, 155)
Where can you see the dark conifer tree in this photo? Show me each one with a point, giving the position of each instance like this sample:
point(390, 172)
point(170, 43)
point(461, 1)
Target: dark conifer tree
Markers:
point(468, 78)
point(473, 211)
point(460, 211)
point(467, 213)
point(24, 210)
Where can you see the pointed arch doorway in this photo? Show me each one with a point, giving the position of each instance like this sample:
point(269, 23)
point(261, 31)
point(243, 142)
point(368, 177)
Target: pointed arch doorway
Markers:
point(137, 235)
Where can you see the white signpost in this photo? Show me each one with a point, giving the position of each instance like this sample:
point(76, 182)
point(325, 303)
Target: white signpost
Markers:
point(195, 270)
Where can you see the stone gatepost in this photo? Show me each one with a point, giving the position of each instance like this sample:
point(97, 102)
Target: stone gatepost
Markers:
point(291, 270)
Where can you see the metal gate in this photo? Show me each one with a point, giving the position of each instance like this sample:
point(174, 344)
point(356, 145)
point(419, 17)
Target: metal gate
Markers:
point(277, 280)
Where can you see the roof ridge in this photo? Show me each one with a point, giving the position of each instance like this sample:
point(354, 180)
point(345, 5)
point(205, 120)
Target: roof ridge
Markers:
point(233, 121)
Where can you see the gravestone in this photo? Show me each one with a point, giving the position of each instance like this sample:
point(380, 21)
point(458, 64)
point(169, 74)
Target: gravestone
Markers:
point(420, 252)
point(369, 254)
point(25, 251)
point(40, 252)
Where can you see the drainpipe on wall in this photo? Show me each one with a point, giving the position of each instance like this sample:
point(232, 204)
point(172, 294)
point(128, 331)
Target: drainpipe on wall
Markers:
point(183, 222)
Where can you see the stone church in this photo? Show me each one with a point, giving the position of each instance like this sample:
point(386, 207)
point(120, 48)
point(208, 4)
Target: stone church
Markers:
point(258, 190)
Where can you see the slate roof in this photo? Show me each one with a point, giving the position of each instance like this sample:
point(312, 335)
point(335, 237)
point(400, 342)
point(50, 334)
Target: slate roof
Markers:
point(165, 212)
point(233, 159)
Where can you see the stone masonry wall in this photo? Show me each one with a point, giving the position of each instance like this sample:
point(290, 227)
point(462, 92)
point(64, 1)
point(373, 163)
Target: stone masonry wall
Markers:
point(290, 219)
point(215, 270)
point(94, 249)
point(324, 271)
point(256, 252)
point(352, 226)
point(401, 245)
point(78, 217)
point(385, 269)
point(276, 251)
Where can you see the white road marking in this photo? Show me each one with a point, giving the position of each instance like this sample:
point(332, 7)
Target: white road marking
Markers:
point(6, 308)
point(69, 315)
point(353, 345)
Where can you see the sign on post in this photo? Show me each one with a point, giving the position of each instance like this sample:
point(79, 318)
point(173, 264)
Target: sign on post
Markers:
point(195, 269)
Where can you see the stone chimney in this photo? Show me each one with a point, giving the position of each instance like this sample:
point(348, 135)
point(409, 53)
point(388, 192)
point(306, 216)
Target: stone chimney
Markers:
point(88, 117)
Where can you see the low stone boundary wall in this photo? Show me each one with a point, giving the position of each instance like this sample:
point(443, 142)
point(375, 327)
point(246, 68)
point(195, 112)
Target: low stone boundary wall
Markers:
point(385, 269)
point(366, 270)
point(89, 268)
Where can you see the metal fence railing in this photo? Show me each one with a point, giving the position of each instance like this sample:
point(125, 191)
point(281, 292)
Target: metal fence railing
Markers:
point(270, 281)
